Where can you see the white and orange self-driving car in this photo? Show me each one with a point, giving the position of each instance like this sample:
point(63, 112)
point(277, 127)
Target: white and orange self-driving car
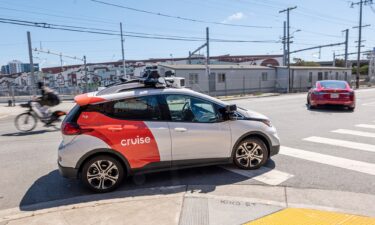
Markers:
point(147, 126)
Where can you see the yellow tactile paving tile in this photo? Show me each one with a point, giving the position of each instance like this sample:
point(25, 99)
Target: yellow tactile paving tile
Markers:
point(293, 216)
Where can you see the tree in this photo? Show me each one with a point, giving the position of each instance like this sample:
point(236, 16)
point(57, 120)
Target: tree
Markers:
point(300, 62)
point(363, 70)
point(340, 63)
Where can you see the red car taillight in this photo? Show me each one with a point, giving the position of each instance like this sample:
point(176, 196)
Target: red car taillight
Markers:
point(72, 129)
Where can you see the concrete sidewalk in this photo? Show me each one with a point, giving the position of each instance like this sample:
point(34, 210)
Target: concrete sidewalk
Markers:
point(196, 204)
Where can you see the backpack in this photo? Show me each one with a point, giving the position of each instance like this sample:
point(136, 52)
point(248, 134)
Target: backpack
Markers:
point(52, 99)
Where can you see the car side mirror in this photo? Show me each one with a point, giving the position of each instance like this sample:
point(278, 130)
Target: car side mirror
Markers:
point(228, 111)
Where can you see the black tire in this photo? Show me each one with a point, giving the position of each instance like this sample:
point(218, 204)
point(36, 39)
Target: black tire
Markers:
point(351, 109)
point(308, 104)
point(100, 180)
point(23, 119)
point(256, 151)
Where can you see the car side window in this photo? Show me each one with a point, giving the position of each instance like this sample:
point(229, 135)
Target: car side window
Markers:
point(185, 108)
point(140, 108)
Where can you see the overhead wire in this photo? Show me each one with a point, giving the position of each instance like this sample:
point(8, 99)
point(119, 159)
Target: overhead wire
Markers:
point(116, 33)
point(179, 17)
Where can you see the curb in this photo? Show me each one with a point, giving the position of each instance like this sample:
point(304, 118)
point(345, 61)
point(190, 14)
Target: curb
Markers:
point(98, 199)
point(248, 97)
point(227, 192)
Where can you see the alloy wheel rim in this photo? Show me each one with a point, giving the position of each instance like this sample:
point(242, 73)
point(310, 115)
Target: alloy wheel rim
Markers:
point(249, 154)
point(102, 174)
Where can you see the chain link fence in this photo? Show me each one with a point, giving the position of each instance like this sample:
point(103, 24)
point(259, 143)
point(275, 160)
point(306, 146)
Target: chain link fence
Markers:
point(224, 87)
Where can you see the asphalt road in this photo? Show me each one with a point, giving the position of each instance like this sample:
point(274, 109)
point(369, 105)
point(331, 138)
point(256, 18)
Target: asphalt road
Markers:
point(345, 161)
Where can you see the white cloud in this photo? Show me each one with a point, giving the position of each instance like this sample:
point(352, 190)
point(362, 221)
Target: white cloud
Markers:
point(234, 17)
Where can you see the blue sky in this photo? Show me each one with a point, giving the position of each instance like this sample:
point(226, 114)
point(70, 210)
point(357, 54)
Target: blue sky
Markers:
point(321, 22)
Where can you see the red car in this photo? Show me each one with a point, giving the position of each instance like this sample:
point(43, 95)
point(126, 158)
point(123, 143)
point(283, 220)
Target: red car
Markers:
point(331, 92)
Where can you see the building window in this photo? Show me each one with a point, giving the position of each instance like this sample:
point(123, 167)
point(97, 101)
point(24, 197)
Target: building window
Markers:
point(264, 76)
point(221, 78)
point(346, 76)
point(320, 76)
point(337, 75)
point(310, 76)
point(325, 75)
point(193, 78)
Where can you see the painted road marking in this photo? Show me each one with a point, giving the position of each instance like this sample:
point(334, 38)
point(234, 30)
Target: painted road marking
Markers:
point(348, 164)
point(369, 104)
point(311, 216)
point(371, 126)
point(354, 132)
point(264, 174)
point(341, 143)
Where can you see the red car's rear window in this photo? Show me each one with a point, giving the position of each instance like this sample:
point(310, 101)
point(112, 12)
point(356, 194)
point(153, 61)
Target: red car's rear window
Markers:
point(333, 84)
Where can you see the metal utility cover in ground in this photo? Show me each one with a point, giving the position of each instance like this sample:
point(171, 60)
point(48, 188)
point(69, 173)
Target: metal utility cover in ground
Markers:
point(205, 211)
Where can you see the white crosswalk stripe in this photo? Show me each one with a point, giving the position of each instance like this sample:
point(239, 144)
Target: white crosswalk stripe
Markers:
point(341, 143)
point(263, 174)
point(370, 126)
point(354, 132)
point(344, 163)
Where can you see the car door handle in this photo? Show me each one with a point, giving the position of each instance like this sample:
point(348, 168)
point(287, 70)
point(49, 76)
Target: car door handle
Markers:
point(180, 129)
point(115, 129)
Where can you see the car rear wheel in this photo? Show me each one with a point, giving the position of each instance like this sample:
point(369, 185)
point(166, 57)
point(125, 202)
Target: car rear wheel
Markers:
point(351, 109)
point(250, 154)
point(102, 174)
point(309, 106)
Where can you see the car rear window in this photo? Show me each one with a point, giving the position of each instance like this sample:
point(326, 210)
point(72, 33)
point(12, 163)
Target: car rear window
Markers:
point(139, 108)
point(333, 84)
point(73, 114)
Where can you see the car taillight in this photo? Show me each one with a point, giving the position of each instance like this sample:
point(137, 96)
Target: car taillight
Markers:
point(72, 129)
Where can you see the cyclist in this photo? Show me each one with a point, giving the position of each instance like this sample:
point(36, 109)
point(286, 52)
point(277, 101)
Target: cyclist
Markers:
point(48, 99)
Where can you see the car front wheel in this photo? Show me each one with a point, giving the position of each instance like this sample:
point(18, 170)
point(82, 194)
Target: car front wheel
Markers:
point(250, 154)
point(102, 174)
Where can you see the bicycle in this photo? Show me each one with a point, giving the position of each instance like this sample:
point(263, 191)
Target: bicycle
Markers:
point(27, 121)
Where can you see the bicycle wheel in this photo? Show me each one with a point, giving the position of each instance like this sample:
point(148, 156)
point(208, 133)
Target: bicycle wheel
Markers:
point(25, 122)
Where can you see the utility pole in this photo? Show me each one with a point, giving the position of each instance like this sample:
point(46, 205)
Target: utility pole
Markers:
point(208, 51)
point(207, 46)
point(85, 69)
point(360, 3)
point(346, 46)
point(288, 40)
point(31, 63)
point(123, 54)
point(334, 59)
point(284, 44)
point(61, 63)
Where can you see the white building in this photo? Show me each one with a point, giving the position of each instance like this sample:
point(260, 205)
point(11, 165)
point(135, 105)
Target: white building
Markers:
point(242, 79)
point(225, 79)
point(304, 77)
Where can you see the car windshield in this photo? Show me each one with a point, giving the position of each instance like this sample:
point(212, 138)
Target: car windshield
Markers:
point(333, 84)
